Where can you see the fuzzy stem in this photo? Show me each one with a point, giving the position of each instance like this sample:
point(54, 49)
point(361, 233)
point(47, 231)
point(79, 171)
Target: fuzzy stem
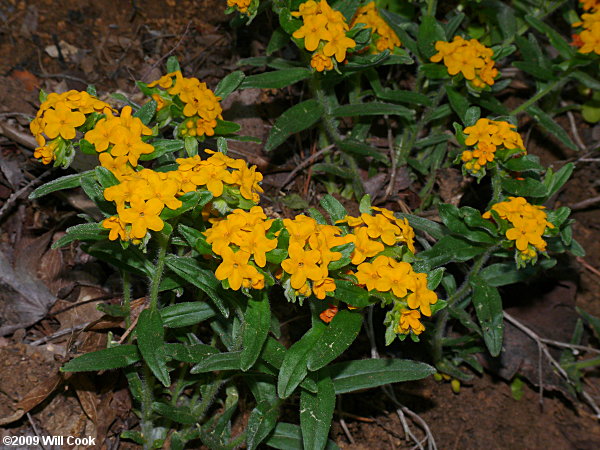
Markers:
point(163, 243)
point(458, 295)
point(556, 84)
point(147, 396)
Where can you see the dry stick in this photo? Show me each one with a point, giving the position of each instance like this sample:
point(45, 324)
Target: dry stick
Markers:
point(16, 195)
point(59, 333)
point(544, 349)
point(343, 422)
point(305, 163)
point(169, 53)
point(588, 266)
point(392, 183)
point(36, 431)
point(402, 410)
point(585, 203)
point(573, 126)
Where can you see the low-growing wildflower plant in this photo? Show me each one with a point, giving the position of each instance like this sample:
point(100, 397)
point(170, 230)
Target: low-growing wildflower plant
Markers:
point(191, 222)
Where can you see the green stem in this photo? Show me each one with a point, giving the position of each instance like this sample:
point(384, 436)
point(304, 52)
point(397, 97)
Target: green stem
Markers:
point(163, 244)
point(127, 296)
point(458, 295)
point(542, 93)
point(496, 188)
point(147, 396)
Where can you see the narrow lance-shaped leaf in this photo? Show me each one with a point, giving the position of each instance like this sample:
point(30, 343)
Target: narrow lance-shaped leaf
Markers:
point(261, 422)
point(105, 359)
point(340, 333)
point(488, 307)
point(294, 370)
point(257, 322)
point(316, 412)
point(298, 118)
point(151, 342)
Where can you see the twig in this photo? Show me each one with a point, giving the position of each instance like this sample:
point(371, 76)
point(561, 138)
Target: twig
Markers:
point(544, 349)
point(573, 347)
point(64, 76)
point(16, 195)
point(392, 183)
point(588, 266)
point(343, 422)
point(169, 53)
point(573, 126)
point(305, 163)
point(59, 333)
point(26, 140)
point(584, 204)
point(401, 410)
point(36, 431)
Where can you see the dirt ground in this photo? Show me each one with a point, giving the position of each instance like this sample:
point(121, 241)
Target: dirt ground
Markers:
point(112, 47)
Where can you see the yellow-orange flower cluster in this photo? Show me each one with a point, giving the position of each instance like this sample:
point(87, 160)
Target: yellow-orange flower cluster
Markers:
point(385, 274)
point(218, 171)
point(59, 117)
point(201, 105)
point(382, 34)
point(310, 253)
point(240, 240)
point(470, 58)
point(141, 196)
point(119, 141)
point(487, 136)
point(375, 231)
point(324, 33)
point(529, 223)
point(241, 5)
point(588, 39)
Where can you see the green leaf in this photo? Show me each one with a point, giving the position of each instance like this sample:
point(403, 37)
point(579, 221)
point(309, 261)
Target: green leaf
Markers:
point(506, 21)
point(224, 127)
point(189, 200)
point(458, 102)
point(434, 229)
point(504, 273)
point(192, 354)
point(186, 314)
point(450, 249)
point(373, 109)
point(219, 361)
point(66, 182)
point(162, 147)
point(548, 124)
point(277, 79)
point(82, 232)
point(279, 39)
point(105, 177)
point(355, 147)
point(593, 321)
point(524, 188)
point(257, 321)
point(293, 369)
point(558, 42)
point(316, 413)
point(526, 163)
point(352, 376)
point(339, 335)
point(105, 359)
point(173, 64)
point(190, 144)
point(402, 96)
point(351, 294)
point(229, 84)
point(179, 414)
point(289, 437)
point(261, 422)
point(334, 208)
point(429, 32)
point(190, 270)
point(151, 342)
point(146, 112)
point(555, 181)
point(298, 118)
point(488, 307)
